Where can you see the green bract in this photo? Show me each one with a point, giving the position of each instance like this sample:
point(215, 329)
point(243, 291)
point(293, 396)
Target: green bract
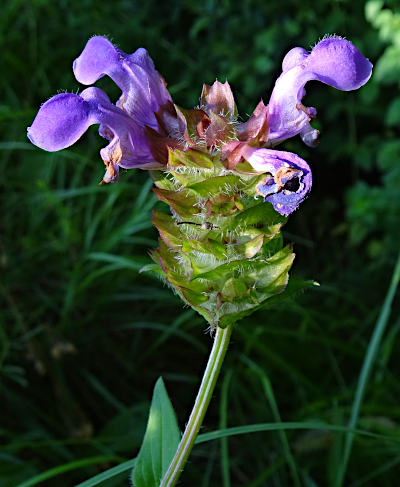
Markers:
point(221, 248)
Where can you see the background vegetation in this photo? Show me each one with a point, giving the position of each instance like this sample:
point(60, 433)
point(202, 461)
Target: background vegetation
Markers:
point(84, 336)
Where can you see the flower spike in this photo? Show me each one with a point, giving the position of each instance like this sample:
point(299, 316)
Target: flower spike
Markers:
point(333, 61)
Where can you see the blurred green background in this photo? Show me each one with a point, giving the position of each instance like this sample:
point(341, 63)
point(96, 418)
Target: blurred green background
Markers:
point(84, 336)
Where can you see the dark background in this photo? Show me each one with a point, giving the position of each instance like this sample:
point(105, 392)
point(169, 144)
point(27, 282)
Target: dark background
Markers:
point(84, 336)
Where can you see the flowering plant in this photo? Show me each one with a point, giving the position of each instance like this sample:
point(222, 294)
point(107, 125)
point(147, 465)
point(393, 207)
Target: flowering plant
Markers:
point(220, 248)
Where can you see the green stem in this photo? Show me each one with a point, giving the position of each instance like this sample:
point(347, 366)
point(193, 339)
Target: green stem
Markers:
point(220, 346)
point(366, 369)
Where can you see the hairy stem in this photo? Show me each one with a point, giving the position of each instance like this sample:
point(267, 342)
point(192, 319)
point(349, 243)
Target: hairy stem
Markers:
point(220, 346)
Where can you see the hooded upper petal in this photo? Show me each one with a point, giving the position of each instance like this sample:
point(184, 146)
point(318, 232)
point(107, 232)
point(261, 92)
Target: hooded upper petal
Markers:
point(333, 61)
point(63, 119)
point(288, 179)
point(338, 63)
point(143, 89)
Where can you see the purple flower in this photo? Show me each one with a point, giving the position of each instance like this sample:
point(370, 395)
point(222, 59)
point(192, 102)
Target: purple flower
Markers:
point(333, 61)
point(288, 178)
point(63, 119)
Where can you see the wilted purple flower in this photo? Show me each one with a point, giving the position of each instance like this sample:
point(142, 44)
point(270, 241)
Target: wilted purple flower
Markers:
point(288, 178)
point(144, 124)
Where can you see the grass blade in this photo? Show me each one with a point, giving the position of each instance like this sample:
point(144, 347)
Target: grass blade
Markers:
point(269, 393)
point(223, 414)
point(261, 427)
point(225, 433)
point(366, 370)
point(108, 474)
point(66, 467)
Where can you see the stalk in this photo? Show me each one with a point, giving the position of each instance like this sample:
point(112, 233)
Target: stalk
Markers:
point(217, 355)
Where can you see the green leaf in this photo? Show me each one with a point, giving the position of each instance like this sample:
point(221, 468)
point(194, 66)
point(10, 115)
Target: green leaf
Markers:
point(387, 69)
point(393, 113)
point(160, 442)
point(372, 10)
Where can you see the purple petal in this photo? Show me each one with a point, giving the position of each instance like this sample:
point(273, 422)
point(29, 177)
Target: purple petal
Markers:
point(338, 63)
point(288, 178)
point(333, 61)
point(63, 119)
point(143, 89)
point(128, 144)
point(293, 58)
point(309, 135)
point(60, 122)
point(98, 58)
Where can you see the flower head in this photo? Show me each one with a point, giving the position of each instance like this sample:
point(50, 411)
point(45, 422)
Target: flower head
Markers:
point(144, 125)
